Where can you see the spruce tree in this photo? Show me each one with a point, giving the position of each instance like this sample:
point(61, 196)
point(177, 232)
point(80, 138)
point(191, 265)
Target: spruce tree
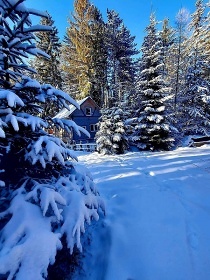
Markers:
point(205, 40)
point(167, 37)
point(104, 134)
point(152, 130)
point(98, 55)
point(45, 199)
point(111, 137)
point(121, 64)
point(48, 70)
point(195, 100)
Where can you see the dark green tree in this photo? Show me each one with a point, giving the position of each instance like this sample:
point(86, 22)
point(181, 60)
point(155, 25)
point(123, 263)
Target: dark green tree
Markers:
point(152, 129)
point(43, 196)
point(196, 96)
point(98, 54)
point(111, 136)
point(121, 63)
point(48, 70)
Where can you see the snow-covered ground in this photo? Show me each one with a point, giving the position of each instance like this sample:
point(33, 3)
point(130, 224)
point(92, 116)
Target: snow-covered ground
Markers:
point(158, 216)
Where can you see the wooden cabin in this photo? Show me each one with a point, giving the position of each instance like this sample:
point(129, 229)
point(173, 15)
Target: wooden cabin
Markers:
point(87, 117)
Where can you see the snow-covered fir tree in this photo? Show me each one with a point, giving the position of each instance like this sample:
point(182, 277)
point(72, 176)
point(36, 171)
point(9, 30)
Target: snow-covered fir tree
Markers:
point(167, 37)
point(205, 39)
point(196, 98)
point(111, 136)
point(152, 130)
point(45, 197)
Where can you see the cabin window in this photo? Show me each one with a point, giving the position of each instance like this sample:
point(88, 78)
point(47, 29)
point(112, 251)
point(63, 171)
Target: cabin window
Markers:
point(88, 111)
point(84, 126)
point(93, 127)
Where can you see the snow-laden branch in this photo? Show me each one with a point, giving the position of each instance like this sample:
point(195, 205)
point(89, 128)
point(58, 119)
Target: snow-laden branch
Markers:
point(68, 125)
point(12, 98)
point(23, 118)
point(29, 241)
point(48, 148)
point(37, 12)
point(36, 28)
point(48, 197)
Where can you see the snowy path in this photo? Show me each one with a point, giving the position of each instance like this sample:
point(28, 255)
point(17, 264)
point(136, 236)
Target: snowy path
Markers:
point(158, 215)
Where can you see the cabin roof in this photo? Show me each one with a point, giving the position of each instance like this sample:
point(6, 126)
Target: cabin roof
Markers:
point(65, 113)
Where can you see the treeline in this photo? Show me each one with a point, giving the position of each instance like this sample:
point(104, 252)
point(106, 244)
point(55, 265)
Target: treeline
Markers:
point(162, 89)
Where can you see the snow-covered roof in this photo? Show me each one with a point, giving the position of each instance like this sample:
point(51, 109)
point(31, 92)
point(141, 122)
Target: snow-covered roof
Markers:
point(65, 113)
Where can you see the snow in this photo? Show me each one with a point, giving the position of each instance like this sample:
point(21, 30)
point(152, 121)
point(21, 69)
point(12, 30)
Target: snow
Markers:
point(30, 239)
point(46, 148)
point(158, 212)
point(45, 243)
point(12, 98)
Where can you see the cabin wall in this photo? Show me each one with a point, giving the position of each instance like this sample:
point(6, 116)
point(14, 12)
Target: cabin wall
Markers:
point(87, 120)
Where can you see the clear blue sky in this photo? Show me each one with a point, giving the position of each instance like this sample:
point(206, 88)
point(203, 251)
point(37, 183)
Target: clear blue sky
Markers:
point(135, 13)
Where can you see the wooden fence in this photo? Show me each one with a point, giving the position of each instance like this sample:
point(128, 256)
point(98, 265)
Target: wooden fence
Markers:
point(89, 147)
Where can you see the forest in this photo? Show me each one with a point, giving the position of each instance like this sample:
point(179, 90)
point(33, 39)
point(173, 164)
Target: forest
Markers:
point(150, 99)
point(155, 96)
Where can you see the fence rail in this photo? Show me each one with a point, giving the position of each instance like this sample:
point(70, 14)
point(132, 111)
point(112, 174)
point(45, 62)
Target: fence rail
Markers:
point(89, 147)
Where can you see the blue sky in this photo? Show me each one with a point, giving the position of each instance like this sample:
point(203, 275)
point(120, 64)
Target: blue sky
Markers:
point(135, 13)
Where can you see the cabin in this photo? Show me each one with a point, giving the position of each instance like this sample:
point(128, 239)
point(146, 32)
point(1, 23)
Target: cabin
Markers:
point(87, 117)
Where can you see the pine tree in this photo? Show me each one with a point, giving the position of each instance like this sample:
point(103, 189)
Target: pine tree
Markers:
point(98, 55)
point(195, 101)
point(84, 53)
point(152, 129)
point(167, 38)
point(205, 40)
point(111, 136)
point(76, 50)
point(121, 64)
point(104, 134)
point(46, 198)
point(48, 70)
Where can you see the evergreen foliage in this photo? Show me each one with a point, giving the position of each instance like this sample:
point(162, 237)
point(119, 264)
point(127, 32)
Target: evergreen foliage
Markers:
point(167, 38)
point(48, 70)
point(196, 98)
point(121, 64)
point(111, 137)
point(152, 130)
point(84, 55)
point(45, 196)
point(98, 54)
